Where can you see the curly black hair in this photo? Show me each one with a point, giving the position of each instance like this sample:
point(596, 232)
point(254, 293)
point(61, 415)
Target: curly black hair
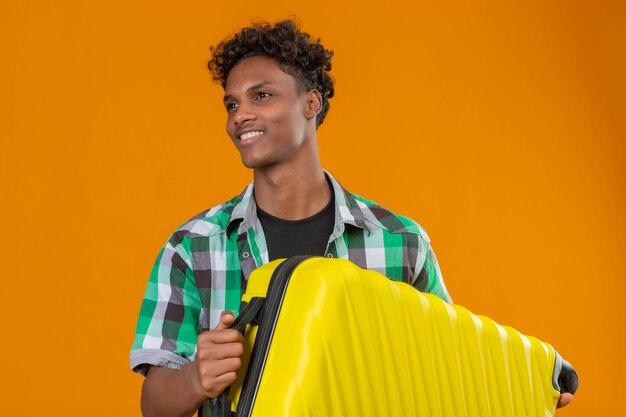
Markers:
point(306, 60)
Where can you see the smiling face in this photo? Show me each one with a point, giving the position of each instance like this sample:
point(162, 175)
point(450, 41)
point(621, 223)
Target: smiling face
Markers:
point(269, 120)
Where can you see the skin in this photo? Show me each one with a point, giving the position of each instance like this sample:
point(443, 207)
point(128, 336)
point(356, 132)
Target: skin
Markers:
point(290, 184)
point(564, 399)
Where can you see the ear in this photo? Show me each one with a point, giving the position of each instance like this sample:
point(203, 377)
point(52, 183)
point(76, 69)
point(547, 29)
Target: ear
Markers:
point(313, 104)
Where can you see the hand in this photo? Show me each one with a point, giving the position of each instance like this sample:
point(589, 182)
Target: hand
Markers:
point(564, 399)
point(218, 357)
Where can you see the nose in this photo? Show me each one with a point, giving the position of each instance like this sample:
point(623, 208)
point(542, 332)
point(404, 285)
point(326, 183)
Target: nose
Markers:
point(243, 114)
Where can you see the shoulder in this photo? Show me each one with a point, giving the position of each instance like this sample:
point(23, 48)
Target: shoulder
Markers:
point(206, 224)
point(377, 215)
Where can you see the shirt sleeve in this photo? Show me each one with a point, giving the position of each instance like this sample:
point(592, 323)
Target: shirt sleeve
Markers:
point(167, 327)
point(429, 278)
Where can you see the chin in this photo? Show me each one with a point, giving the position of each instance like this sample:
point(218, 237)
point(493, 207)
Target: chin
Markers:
point(257, 161)
point(253, 163)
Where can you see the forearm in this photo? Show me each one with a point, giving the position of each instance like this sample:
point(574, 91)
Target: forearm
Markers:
point(171, 392)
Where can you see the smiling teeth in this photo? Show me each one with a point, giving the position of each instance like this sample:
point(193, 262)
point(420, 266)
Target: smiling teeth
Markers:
point(249, 135)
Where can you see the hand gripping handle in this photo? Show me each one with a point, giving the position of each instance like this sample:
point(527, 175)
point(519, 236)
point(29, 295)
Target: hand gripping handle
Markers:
point(250, 313)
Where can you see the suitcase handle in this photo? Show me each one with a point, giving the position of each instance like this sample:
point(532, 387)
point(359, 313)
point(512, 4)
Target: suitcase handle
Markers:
point(565, 378)
point(250, 313)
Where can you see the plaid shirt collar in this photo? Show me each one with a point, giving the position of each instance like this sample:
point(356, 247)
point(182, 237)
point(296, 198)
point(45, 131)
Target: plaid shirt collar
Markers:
point(348, 211)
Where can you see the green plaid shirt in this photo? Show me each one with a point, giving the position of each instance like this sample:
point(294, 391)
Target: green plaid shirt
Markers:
point(203, 268)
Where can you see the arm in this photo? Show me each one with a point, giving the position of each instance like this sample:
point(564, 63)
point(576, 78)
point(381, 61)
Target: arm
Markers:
point(184, 367)
point(180, 392)
point(428, 275)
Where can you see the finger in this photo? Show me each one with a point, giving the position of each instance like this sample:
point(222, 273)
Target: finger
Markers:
point(217, 352)
point(219, 337)
point(218, 375)
point(227, 378)
point(564, 399)
point(226, 319)
point(220, 384)
point(220, 367)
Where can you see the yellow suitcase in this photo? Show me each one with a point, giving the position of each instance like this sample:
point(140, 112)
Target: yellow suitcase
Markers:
point(327, 338)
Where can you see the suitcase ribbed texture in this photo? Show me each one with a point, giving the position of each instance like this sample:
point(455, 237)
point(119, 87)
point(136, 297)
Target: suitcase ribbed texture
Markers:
point(350, 342)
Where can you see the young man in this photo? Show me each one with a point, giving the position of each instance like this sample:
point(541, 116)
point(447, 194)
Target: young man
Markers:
point(276, 86)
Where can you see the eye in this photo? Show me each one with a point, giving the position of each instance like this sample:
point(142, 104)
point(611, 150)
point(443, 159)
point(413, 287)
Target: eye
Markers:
point(230, 106)
point(262, 94)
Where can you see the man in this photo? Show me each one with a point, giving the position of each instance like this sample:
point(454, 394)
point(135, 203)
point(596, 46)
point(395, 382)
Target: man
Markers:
point(276, 86)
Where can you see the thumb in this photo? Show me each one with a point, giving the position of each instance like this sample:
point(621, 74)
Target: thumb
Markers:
point(226, 319)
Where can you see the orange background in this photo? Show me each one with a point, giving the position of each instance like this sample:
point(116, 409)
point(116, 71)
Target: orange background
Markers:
point(500, 128)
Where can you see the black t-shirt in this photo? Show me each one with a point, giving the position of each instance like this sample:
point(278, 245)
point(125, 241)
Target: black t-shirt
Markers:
point(308, 236)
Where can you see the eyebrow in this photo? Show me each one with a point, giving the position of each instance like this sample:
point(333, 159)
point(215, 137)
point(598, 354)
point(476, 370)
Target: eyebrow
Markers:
point(252, 88)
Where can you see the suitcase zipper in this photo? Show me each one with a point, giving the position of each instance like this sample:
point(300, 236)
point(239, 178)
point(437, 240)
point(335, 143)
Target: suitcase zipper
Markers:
point(273, 302)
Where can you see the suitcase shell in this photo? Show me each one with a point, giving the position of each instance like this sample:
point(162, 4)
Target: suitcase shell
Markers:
point(343, 341)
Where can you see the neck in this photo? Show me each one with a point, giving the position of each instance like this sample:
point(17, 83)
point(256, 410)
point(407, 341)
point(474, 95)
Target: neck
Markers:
point(292, 191)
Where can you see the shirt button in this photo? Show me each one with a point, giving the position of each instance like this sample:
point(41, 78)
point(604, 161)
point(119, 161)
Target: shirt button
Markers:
point(329, 255)
point(245, 255)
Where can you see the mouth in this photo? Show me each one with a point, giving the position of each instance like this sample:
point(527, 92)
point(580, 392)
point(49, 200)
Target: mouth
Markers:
point(249, 137)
